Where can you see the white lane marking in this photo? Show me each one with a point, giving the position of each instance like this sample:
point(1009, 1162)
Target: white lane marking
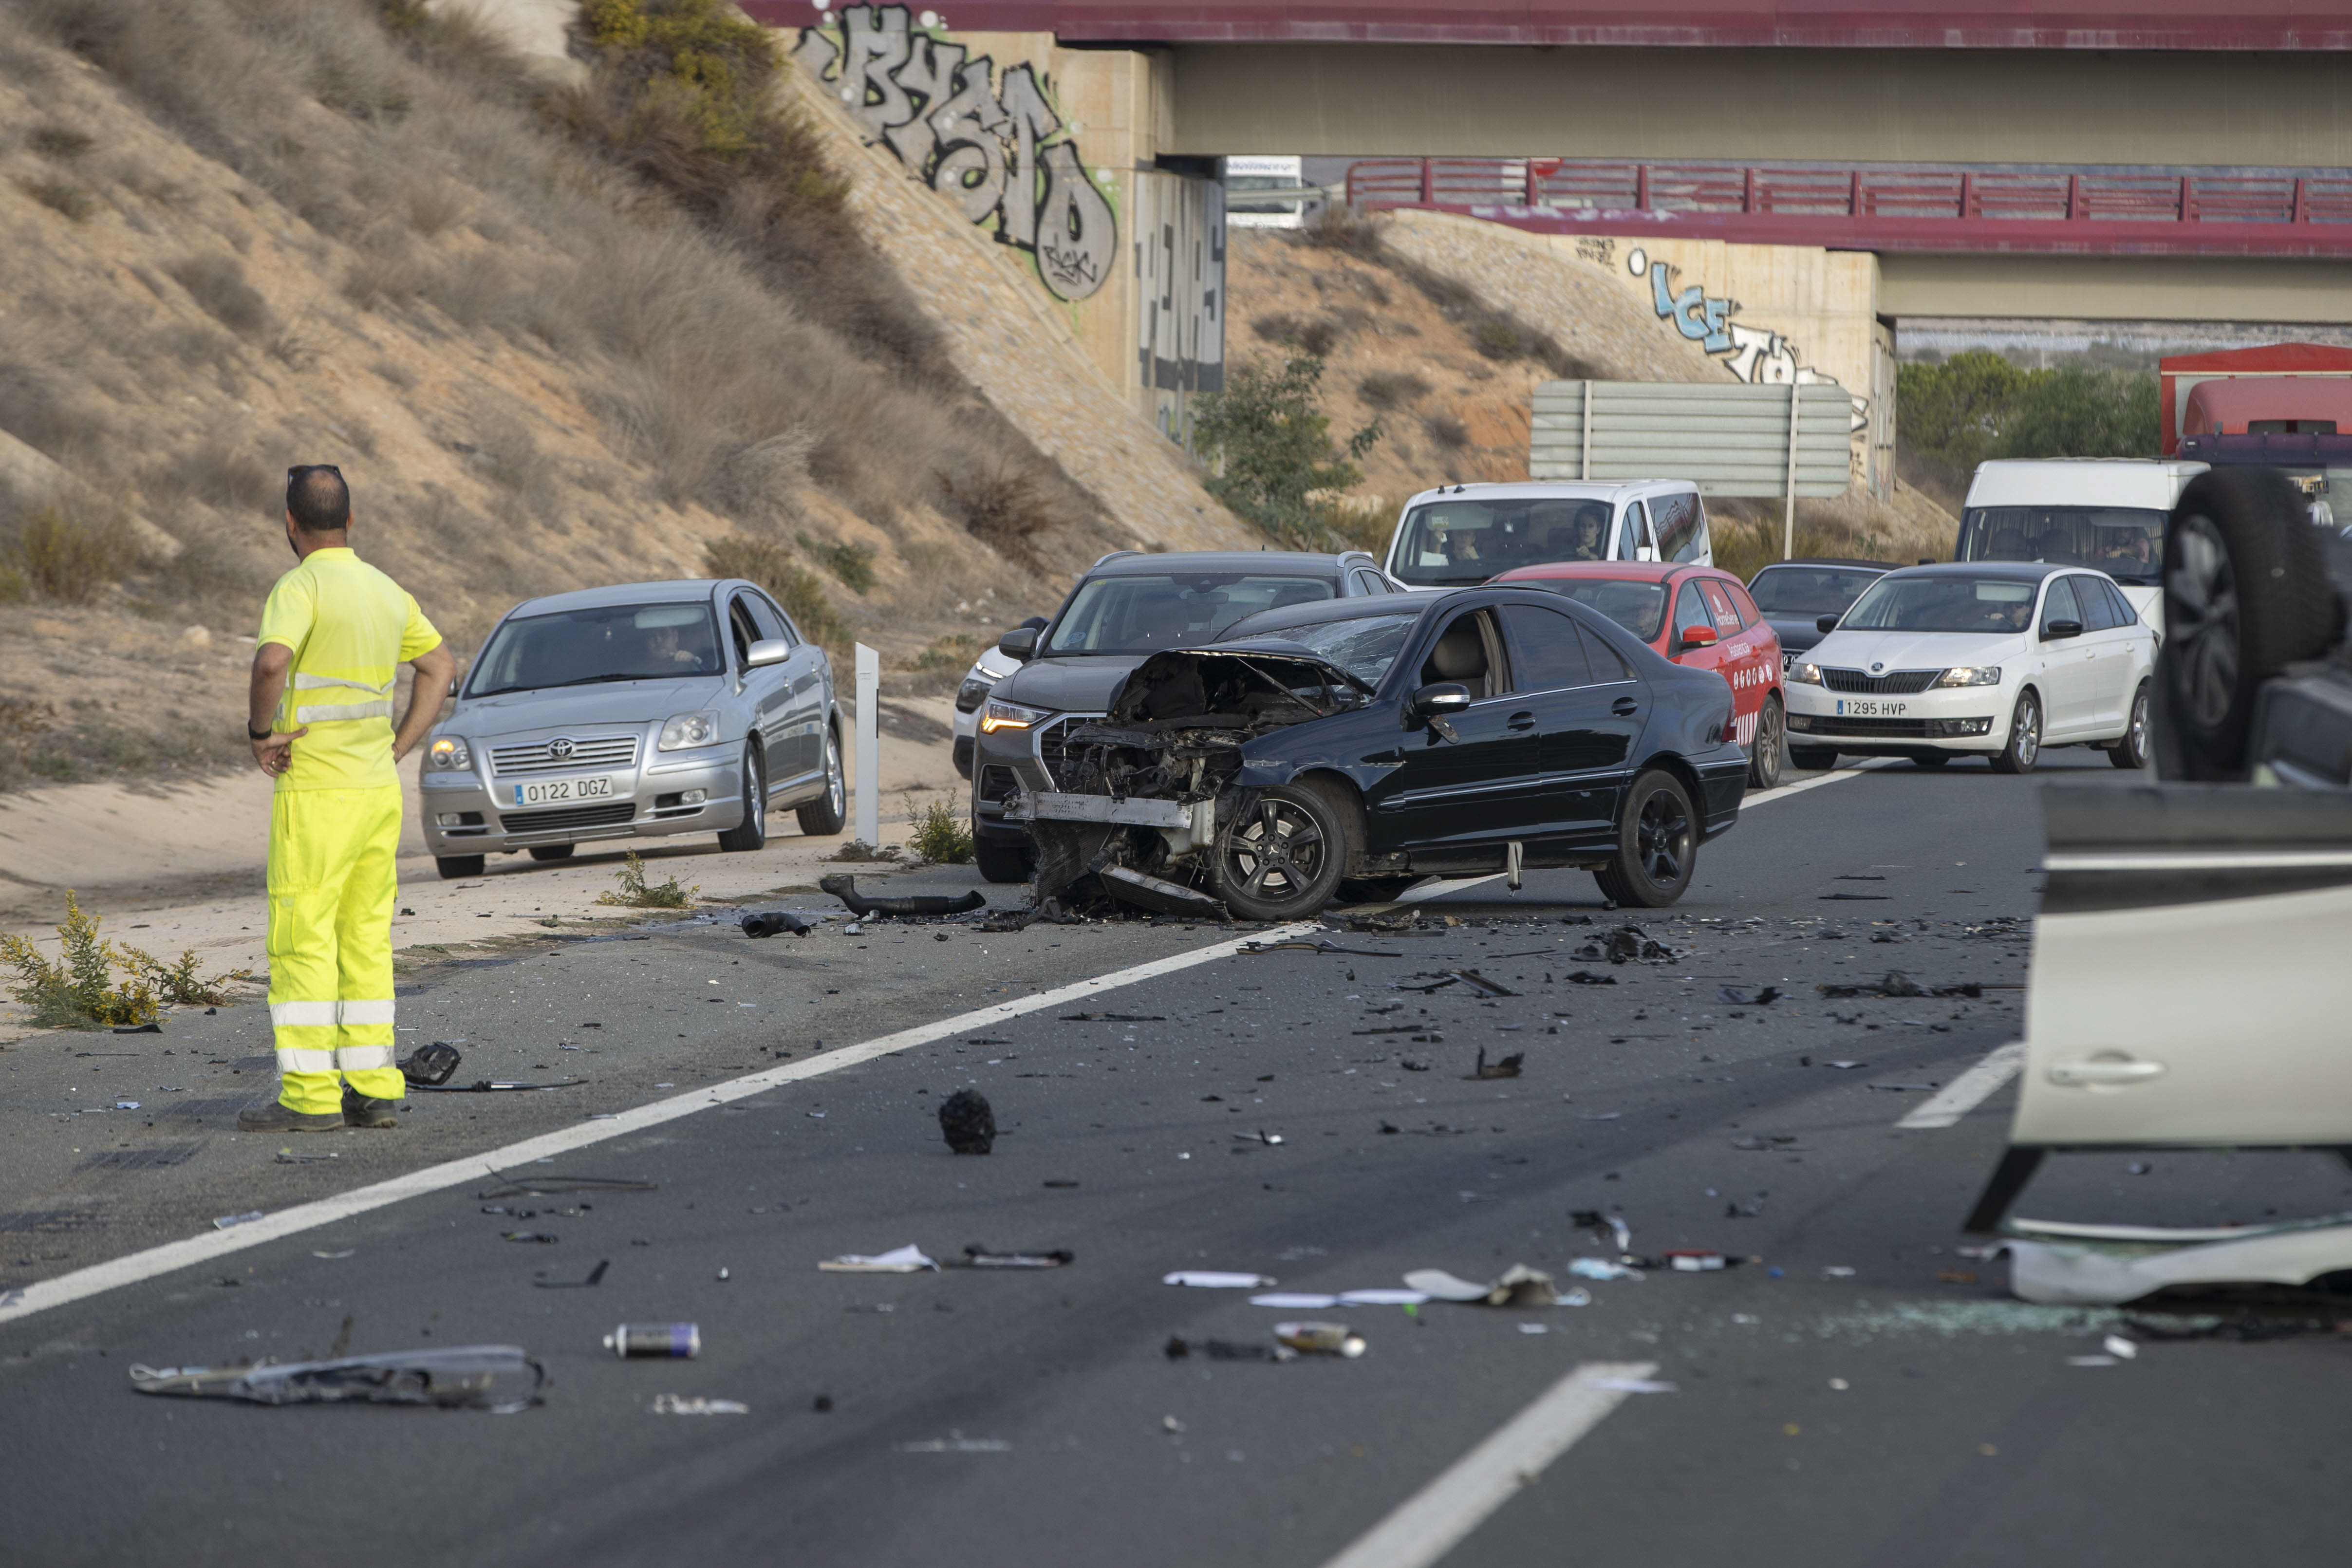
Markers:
point(1435, 1519)
point(208, 1246)
point(1971, 1089)
point(1433, 887)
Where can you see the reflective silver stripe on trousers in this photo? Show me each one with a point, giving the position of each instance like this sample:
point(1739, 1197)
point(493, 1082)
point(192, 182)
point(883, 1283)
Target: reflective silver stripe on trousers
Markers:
point(290, 1060)
point(360, 1058)
point(364, 1012)
point(342, 710)
point(313, 682)
point(295, 1014)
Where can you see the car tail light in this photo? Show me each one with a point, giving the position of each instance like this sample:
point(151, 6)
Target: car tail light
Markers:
point(1731, 722)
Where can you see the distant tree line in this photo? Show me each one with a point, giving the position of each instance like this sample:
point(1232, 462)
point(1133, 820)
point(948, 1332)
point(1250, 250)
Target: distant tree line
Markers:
point(1976, 405)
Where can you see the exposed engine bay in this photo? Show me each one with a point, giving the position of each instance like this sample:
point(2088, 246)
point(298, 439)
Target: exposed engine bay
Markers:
point(1149, 812)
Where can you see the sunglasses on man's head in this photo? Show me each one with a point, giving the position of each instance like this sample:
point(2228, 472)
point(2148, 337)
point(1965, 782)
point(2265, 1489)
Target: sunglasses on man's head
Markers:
point(299, 469)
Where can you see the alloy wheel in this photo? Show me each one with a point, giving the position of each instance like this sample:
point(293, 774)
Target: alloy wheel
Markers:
point(1662, 839)
point(2028, 740)
point(835, 791)
point(1277, 854)
point(2202, 620)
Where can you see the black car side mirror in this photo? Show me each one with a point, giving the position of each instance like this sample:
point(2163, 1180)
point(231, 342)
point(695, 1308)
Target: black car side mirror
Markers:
point(1020, 643)
point(2059, 631)
point(1825, 624)
point(1439, 699)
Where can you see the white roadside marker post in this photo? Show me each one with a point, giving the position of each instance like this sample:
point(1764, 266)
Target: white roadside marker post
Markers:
point(869, 747)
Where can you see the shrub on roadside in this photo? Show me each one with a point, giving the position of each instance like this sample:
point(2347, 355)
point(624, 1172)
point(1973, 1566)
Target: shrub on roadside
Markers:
point(1275, 444)
point(636, 893)
point(852, 565)
point(77, 990)
point(63, 557)
point(937, 832)
point(796, 587)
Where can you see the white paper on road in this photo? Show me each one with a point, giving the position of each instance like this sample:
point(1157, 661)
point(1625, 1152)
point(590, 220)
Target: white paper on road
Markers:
point(1436, 1518)
point(1296, 1302)
point(907, 1260)
point(1214, 1280)
point(1971, 1089)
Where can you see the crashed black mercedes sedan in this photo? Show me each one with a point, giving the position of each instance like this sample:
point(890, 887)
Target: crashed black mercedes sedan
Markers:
point(1372, 741)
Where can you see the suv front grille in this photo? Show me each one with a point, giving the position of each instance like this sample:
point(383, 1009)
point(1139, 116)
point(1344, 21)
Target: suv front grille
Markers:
point(1902, 682)
point(564, 821)
point(1052, 750)
point(602, 752)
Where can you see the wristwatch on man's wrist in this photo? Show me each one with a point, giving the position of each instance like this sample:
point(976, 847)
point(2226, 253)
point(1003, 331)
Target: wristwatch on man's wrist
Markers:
point(257, 735)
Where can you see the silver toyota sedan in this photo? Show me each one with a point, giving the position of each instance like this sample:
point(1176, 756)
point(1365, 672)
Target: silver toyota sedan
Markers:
point(638, 712)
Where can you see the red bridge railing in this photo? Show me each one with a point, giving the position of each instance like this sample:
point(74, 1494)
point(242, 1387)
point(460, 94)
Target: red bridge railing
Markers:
point(2263, 211)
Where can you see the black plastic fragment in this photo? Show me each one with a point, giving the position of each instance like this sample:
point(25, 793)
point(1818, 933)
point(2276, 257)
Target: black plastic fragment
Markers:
point(843, 886)
point(967, 1122)
point(429, 1067)
point(768, 922)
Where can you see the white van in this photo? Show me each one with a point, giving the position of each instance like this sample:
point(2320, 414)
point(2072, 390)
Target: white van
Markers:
point(2102, 512)
point(1265, 193)
point(1464, 533)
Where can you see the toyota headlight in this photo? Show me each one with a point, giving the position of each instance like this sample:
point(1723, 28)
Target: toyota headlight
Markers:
point(1011, 716)
point(448, 752)
point(1806, 675)
point(688, 730)
point(1972, 675)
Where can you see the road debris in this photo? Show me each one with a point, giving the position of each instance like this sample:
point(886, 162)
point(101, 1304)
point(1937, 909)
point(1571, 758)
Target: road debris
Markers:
point(1774, 1141)
point(1480, 983)
point(1506, 1066)
point(491, 1086)
point(429, 1067)
point(1517, 1285)
point(502, 1378)
point(1217, 1279)
point(1160, 896)
point(540, 1238)
point(1270, 1140)
point(2109, 1269)
point(655, 1342)
point(955, 1443)
point(1319, 1339)
point(289, 1157)
point(1178, 1348)
point(967, 1122)
point(1320, 945)
point(989, 1257)
point(907, 1260)
point(680, 1404)
point(595, 1278)
point(1586, 977)
point(1895, 984)
point(227, 1221)
point(1601, 1269)
point(1738, 998)
point(770, 922)
point(843, 886)
point(1111, 1019)
point(550, 1186)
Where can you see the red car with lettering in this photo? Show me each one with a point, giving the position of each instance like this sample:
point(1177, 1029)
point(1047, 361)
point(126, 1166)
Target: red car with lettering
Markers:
point(1695, 615)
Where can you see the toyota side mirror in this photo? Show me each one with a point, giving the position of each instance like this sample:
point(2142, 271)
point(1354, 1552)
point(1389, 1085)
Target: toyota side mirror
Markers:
point(1440, 700)
point(767, 651)
point(1020, 644)
point(2059, 631)
point(1826, 625)
point(1696, 637)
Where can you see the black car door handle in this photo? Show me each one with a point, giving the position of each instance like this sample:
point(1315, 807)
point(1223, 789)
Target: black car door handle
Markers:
point(1625, 706)
point(1520, 720)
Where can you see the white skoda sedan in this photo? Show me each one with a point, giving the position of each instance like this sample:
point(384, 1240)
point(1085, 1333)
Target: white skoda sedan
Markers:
point(1996, 659)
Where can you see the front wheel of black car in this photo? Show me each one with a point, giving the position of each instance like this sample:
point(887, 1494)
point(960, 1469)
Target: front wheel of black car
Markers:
point(1281, 860)
point(1657, 845)
point(1764, 760)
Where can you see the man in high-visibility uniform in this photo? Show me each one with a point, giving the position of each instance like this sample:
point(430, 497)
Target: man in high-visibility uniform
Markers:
point(333, 635)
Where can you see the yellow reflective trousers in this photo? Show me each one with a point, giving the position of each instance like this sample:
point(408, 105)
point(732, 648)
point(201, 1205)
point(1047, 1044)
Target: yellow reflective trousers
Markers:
point(332, 886)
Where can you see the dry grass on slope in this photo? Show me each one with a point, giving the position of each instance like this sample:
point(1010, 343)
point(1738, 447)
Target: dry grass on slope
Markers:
point(246, 233)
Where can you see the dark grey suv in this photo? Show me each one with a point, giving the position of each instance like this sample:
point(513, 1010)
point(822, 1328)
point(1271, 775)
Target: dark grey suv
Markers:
point(1129, 607)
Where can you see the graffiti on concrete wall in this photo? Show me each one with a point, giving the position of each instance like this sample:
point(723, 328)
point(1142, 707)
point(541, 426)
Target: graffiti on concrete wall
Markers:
point(1752, 353)
point(991, 139)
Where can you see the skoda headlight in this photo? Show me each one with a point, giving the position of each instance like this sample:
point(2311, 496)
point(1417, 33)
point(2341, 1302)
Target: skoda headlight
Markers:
point(688, 730)
point(1806, 675)
point(1972, 675)
point(447, 753)
point(1011, 716)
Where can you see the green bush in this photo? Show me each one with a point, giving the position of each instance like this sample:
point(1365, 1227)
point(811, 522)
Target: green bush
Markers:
point(63, 557)
point(1977, 405)
point(79, 990)
point(937, 832)
point(953, 651)
point(636, 893)
point(1275, 445)
point(852, 565)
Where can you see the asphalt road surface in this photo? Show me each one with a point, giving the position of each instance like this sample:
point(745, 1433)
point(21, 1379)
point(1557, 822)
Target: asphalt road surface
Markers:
point(1858, 1391)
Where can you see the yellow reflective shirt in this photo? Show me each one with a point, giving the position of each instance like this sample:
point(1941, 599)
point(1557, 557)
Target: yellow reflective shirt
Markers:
point(350, 628)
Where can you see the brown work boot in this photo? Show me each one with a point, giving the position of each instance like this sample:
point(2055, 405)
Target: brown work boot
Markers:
point(364, 1110)
point(276, 1116)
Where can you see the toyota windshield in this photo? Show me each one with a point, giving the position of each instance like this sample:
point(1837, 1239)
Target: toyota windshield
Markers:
point(583, 647)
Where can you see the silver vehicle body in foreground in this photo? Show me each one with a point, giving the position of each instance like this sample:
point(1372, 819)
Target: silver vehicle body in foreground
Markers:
point(641, 710)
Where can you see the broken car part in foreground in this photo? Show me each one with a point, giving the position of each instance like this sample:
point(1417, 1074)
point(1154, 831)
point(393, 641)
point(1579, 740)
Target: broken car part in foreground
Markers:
point(474, 1377)
point(843, 886)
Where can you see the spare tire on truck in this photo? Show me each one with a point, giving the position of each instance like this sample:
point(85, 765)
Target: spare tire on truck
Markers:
point(2246, 593)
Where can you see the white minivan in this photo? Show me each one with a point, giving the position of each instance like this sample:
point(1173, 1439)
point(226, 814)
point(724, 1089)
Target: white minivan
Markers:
point(1458, 534)
point(2107, 513)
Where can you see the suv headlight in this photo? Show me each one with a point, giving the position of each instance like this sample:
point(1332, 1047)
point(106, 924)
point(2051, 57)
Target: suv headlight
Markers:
point(688, 730)
point(447, 753)
point(1011, 716)
point(1806, 675)
point(1972, 675)
point(973, 691)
